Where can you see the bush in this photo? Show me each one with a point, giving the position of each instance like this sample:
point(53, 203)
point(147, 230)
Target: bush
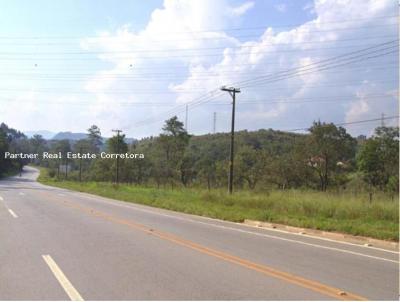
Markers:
point(52, 173)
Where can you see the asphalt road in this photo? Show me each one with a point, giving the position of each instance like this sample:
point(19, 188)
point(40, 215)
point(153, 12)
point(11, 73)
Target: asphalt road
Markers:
point(57, 244)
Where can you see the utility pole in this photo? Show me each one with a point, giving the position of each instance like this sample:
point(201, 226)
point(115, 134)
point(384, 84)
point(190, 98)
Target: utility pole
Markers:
point(186, 117)
point(117, 169)
point(58, 168)
point(80, 164)
point(232, 91)
point(382, 120)
point(214, 122)
point(66, 166)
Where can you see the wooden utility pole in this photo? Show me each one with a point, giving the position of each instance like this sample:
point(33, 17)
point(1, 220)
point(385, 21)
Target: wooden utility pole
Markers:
point(58, 168)
point(117, 169)
point(66, 166)
point(80, 164)
point(232, 91)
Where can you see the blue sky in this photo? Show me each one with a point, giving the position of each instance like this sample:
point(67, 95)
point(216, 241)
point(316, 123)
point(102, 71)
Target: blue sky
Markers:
point(75, 17)
point(66, 65)
point(86, 17)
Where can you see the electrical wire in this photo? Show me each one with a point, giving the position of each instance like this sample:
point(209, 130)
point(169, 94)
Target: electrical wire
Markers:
point(346, 123)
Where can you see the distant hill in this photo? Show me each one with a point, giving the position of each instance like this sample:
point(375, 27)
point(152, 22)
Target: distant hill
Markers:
point(69, 135)
point(44, 133)
point(77, 136)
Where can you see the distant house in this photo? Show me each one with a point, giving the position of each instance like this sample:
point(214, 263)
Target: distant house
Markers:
point(316, 161)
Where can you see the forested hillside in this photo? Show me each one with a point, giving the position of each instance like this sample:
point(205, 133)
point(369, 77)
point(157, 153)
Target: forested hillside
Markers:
point(327, 158)
point(14, 141)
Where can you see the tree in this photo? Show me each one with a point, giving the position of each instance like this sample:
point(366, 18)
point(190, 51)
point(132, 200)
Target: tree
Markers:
point(55, 165)
point(187, 166)
point(205, 164)
point(378, 159)
point(38, 145)
point(82, 146)
point(328, 146)
point(95, 139)
point(140, 169)
point(117, 144)
point(12, 141)
point(174, 141)
point(4, 163)
point(250, 165)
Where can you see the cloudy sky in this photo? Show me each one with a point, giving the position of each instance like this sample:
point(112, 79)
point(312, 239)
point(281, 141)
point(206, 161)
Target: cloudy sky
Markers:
point(65, 65)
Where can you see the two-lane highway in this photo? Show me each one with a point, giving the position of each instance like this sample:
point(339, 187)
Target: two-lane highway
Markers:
point(57, 244)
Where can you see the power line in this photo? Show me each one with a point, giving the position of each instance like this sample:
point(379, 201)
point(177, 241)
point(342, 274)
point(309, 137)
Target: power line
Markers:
point(279, 100)
point(191, 49)
point(320, 68)
point(189, 90)
point(206, 97)
point(327, 65)
point(359, 54)
point(347, 123)
point(335, 62)
point(258, 82)
point(164, 75)
point(346, 58)
point(214, 39)
point(37, 67)
point(180, 91)
point(319, 99)
point(158, 41)
point(34, 58)
point(205, 31)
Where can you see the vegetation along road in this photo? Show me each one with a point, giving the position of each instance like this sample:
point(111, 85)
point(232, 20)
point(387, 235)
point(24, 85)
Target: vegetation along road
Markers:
point(71, 245)
point(96, 247)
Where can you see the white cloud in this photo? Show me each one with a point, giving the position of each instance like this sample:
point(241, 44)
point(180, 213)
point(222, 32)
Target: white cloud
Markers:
point(241, 9)
point(280, 51)
point(366, 105)
point(150, 72)
point(175, 27)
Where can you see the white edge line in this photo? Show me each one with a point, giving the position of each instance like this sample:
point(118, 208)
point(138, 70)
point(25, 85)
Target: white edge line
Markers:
point(62, 279)
point(280, 238)
point(12, 213)
point(320, 238)
point(250, 232)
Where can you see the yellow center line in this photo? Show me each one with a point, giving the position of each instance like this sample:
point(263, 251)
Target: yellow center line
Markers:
point(266, 270)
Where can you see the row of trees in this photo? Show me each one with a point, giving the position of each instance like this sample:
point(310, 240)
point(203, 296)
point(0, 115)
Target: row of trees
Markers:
point(10, 141)
point(327, 157)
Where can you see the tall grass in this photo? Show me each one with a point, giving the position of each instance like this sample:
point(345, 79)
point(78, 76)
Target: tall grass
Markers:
point(344, 212)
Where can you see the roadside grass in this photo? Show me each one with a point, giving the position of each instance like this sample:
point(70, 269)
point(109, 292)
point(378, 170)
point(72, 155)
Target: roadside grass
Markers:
point(340, 212)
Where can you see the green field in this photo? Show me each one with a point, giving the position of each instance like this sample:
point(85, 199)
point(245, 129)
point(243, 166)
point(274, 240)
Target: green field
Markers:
point(341, 212)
